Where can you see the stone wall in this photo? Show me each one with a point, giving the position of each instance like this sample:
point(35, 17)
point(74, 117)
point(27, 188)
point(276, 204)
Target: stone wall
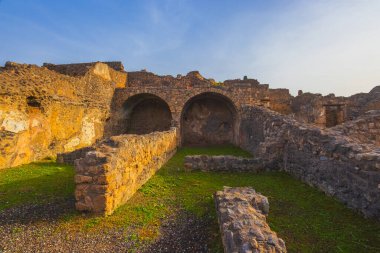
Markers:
point(364, 129)
point(43, 112)
point(179, 91)
point(223, 163)
point(326, 159)
point(242, 221)
point(70, 157)
point(108, 176)
point(80, 69)
point(318, 109)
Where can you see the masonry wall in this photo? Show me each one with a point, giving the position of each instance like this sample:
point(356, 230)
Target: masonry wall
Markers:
point(108, 176)
point(326, 159)
point(364, 129)
point(43, 112)
point(177, 91)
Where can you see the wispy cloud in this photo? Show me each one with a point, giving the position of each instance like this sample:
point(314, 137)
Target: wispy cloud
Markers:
point(320, 46)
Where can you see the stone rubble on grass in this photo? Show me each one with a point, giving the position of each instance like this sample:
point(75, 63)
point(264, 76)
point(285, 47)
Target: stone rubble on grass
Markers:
point(242, 221)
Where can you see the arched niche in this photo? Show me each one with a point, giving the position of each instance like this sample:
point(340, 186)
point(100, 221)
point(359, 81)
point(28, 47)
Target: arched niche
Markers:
point(209, 119)
point(145, 113)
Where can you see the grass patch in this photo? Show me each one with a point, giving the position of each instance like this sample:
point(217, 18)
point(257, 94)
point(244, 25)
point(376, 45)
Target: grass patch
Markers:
point(35, 183)
point(305, 218)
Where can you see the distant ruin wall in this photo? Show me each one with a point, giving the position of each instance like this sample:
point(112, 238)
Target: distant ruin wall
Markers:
point(364, 129)
point(79, 69)
point(242, 221)
point(43, 113)
point(108, 176)
point(325, 159)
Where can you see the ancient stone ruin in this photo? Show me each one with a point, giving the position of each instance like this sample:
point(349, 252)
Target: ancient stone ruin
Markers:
point(119, 127)
point(242, 219)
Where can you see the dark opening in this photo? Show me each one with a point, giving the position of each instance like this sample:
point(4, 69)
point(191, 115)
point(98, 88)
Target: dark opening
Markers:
point(146, 113)
point(33, 101)
point(208, 119)
point(334, 115)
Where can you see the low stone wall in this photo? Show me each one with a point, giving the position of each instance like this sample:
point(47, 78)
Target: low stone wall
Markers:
point(364, 129)
point(326, 159)
point(70, 157)
point(242, 219)
point(223, 163)
point(108, 176)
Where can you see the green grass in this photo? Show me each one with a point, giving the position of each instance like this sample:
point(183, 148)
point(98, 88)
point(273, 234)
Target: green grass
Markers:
point(305, 218)
point(34, 183)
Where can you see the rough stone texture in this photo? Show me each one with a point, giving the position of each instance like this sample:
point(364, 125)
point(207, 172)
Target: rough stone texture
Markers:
point(328, 111)
point(182, 93)
point(60, 108)
point(43, 113)
point(364, 129)
point(208, 120)
point(70, 157)
point(225, 163)
point(324, 158)
point(108, 176)
point(242, 219)
point(80, 69)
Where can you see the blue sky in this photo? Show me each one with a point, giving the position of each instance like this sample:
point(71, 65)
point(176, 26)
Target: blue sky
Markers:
point(322, 46)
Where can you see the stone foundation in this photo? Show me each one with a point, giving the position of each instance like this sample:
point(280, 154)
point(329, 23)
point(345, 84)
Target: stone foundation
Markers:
point(108, 176)
point(242, 219)
point(223, 163)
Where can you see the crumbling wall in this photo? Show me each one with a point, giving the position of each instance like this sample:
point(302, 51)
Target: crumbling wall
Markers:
point(364, 129)
point(326, 159)
point(328, 111)
point(108, 176)
point(359, 104)
point(242, 221)
point(43, 113)
point(223, 163)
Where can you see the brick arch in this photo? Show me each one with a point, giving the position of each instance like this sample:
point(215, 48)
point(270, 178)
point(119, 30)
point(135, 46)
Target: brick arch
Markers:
point(146, 113)
point(209, 118)
point(138, 113)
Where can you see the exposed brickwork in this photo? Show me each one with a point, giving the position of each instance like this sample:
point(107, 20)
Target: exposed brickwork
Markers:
point(242, 221)
point(108, 176)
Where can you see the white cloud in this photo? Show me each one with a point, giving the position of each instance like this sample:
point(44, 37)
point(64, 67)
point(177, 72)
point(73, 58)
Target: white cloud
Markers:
point(318, 46)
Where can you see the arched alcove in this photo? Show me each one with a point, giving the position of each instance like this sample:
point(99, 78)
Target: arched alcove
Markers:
point(146, 113)
point(209, 119)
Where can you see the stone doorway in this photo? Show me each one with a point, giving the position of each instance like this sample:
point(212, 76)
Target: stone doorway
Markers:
point(334, 114)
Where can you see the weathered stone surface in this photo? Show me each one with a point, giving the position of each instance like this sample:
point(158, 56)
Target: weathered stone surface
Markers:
point(223, 163)
point(364, 129)
point(116, 168)
point(43, 112)
point(326, 159)
point(242, 221)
